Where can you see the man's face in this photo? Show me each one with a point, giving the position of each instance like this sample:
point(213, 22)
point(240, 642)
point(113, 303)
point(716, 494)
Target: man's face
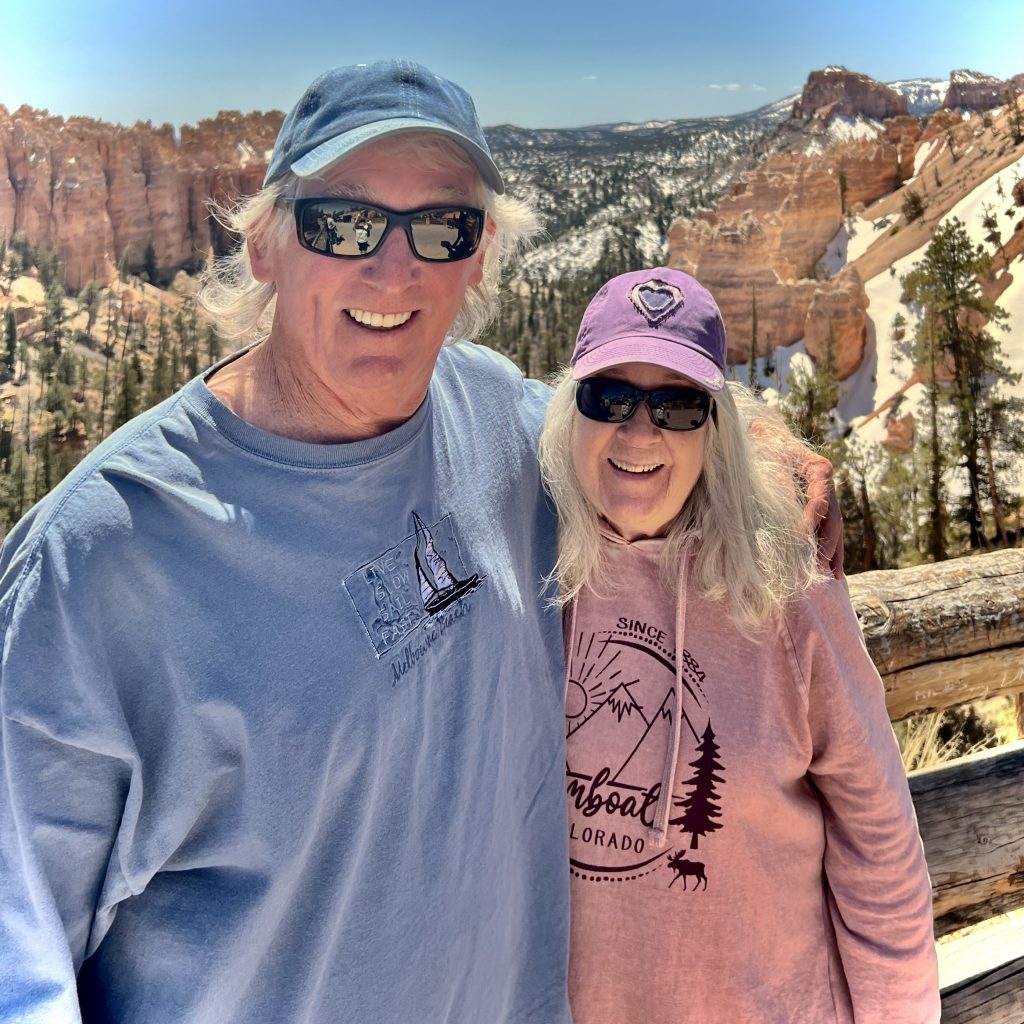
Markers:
point(367, 331)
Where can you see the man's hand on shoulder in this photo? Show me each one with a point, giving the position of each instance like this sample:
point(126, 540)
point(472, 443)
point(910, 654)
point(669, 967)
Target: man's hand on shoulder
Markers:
point(821, 513)
point(814, 472)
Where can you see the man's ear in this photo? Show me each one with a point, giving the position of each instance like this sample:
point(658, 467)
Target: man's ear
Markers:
point(259, 246)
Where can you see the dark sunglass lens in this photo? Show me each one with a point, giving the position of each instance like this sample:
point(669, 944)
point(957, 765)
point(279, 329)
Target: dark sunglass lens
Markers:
point(341, 228)
point(607, 401)
point(317, 228)
point(680, 408)
point(446, 235)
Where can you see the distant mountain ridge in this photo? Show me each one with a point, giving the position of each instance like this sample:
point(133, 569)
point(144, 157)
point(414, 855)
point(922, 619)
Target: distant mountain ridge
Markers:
point(608, 193)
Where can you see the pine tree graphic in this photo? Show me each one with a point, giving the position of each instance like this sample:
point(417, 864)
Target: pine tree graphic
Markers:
point(700, 804)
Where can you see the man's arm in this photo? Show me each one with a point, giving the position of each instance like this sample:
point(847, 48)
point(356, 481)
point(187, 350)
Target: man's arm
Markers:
point(64, 785)
point(822, 514)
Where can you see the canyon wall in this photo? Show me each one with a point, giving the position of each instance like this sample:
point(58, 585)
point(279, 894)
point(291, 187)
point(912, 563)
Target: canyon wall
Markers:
point(761, 250)
point(838, 92)
point(972, 90)
point(96, 192)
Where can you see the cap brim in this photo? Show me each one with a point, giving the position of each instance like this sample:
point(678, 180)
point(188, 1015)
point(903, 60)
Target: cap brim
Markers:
point(328, 153)
point(671, 355)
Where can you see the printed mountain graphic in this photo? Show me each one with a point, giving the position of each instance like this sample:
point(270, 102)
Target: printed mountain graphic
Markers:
point(618, 715)
point(622, 702)
point(657, 737)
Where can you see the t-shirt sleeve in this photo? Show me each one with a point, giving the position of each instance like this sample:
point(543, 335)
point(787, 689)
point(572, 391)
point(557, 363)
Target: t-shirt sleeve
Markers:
point(879, 891)
point(64, 784)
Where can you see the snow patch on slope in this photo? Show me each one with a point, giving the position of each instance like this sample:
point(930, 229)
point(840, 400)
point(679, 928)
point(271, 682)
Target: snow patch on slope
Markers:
point(868, 387)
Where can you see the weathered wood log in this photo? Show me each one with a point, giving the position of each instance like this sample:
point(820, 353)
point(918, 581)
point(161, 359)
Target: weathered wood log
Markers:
point(947, 633)
point(977, 950)
point(971, 816)
point(939, 611)
point(944, 684)
point(981, 973)
point(995, 997)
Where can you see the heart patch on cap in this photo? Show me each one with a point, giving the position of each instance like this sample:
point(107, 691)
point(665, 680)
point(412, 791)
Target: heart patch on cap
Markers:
point(656, 300)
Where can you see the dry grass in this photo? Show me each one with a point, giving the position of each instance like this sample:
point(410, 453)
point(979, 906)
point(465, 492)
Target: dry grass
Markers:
point(933, 739)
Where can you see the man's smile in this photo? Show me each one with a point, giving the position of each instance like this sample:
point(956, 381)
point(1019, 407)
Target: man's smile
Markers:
point(379, 321)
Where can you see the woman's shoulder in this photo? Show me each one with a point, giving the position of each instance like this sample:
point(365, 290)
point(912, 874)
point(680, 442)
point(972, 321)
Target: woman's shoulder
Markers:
point(825, 601)
point(823, 626)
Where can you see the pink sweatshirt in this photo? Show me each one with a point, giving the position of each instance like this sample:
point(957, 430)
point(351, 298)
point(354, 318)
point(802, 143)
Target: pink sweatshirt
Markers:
point(743, 844)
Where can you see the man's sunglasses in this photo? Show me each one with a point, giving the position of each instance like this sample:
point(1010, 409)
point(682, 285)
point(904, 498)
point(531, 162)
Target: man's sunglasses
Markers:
point(350, 230)
point(614, 401)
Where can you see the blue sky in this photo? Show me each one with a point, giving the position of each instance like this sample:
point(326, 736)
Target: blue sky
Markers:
point(535, 63)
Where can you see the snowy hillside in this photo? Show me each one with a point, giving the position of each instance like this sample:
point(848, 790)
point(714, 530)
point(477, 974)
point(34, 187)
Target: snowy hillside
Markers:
point(882, 377)
point(604, 187)
point(923, 94)
point(610, 185)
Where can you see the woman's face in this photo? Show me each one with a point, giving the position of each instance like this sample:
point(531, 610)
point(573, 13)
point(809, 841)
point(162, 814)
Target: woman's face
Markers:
point(637, 475)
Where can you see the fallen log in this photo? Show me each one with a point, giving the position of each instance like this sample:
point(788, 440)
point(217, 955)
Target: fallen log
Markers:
point(945, 633)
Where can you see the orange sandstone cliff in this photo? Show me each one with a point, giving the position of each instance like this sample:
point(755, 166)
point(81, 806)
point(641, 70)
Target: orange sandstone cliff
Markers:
point(97, 192)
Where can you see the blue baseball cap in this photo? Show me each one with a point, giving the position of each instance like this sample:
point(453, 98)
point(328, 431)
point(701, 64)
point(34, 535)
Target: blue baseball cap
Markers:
point(349, 107)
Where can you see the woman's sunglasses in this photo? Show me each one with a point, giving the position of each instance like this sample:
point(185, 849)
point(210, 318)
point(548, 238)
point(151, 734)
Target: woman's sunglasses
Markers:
point(614, 401)
point(349, 230)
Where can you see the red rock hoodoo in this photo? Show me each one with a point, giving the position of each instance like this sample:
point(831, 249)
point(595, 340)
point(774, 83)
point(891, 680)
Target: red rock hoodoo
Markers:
point(96, 192)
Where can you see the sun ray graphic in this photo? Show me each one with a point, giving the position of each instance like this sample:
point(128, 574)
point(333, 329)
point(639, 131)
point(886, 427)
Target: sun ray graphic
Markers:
point(592, 676)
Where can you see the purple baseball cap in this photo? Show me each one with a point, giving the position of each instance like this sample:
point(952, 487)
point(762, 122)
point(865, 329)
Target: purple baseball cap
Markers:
point(658, 316)
point(347, 108)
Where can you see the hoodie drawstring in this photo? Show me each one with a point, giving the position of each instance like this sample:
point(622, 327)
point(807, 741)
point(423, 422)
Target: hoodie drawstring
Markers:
point(658, 832)
point(570, 639)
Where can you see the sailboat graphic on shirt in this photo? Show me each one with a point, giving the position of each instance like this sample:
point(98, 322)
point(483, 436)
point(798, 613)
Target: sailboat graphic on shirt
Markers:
point(438, 586)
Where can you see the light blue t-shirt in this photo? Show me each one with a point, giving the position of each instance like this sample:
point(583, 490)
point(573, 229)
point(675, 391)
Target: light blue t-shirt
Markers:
point(282, 724)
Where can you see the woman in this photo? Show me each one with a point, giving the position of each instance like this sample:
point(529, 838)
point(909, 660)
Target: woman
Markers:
point(743, 844)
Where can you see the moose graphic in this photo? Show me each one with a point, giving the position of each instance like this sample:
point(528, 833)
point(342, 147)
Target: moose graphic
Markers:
point(683, 867)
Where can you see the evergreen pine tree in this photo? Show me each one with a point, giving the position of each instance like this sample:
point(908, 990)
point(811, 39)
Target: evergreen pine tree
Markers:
point(934, 458)
point(1014, 114)
point(129, 397)
point(811, 396)
point(149, 262)
point(10, 341)
point(159, 377)
point(89, 299)
point(945, 286)
point(755, 384)
point(700, 807)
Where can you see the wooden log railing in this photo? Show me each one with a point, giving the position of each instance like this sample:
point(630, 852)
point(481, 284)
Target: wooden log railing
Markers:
point(943, 635)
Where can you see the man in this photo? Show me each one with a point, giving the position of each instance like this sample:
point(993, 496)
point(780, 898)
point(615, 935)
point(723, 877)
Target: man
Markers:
point(281, 707)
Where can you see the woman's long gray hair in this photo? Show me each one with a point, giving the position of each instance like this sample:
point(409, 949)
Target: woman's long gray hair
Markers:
point(754, 551)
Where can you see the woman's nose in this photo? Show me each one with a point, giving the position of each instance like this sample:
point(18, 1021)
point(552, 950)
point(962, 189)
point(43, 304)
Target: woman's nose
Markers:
point(639, 428)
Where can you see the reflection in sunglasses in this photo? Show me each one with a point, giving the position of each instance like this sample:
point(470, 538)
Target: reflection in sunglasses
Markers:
point(349, 230)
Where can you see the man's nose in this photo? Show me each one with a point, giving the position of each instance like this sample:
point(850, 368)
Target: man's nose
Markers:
point(392, 262)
